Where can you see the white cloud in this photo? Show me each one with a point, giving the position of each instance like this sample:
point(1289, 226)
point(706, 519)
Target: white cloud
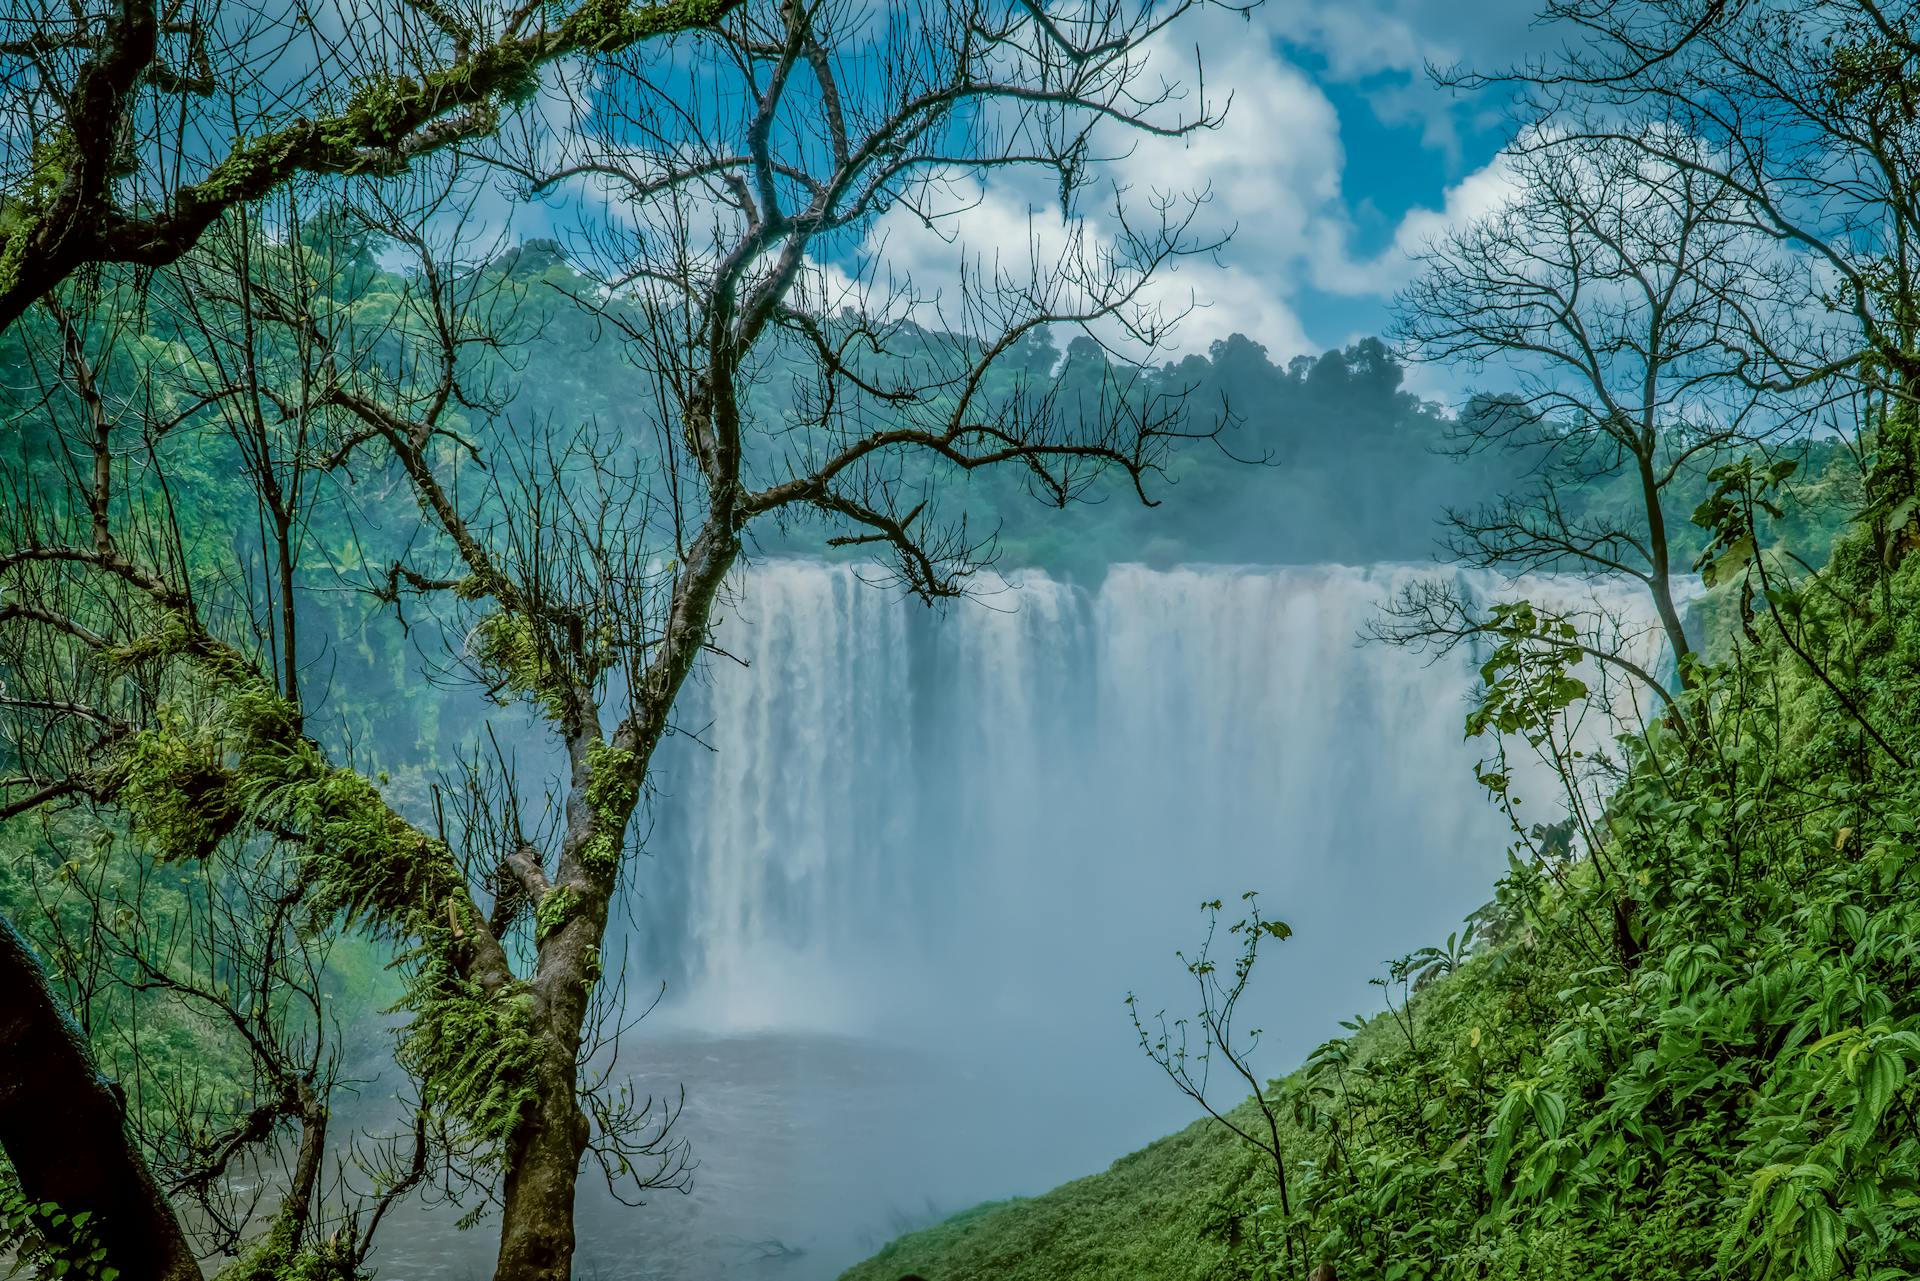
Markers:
point(1274, 170)
point(1388, 45)
point(1272, 174)
point(1480, 193)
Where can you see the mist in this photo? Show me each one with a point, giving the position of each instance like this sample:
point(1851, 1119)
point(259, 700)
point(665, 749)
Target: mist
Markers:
point(905, 864)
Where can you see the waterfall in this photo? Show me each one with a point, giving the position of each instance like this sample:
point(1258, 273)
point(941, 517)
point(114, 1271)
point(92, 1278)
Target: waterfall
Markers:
point(1003, 814)
point(902, 865)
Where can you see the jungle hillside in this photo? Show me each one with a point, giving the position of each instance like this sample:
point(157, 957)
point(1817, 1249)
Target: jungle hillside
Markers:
point(630, 631)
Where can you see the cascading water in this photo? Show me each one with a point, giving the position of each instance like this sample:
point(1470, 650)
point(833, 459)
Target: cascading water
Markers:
point(1008, 809)
point(905, 864)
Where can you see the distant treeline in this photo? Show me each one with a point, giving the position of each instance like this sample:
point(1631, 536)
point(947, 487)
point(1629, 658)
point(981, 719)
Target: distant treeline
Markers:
point(1314, 459)
point(1320, 458)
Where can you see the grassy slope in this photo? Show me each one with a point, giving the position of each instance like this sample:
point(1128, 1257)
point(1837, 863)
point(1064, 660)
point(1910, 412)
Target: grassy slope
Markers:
point(1734, 1090)
point(1169, 1212)
point(1145, 1212)
point(1143, 1216)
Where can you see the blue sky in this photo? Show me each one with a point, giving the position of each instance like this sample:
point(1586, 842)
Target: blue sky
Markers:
point(1400, 157)
point(1337, 157)
point(1394, 167)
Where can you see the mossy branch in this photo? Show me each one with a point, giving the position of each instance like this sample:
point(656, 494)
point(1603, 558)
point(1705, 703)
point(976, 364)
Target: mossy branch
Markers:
point(52, 228)
point(188, 787)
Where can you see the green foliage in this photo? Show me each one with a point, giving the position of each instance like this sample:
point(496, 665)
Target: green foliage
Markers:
point(614, 784)
point(48, 1242)
point(508, 645)
point(1705, 1063)
point(53, 877)
point(474, 1052)
point(1527, 679)
point(601, 854)
point(555, 910)
point(274, 1258)
point(606, 25)
point(359, 860)
point(179, 795)
point(1173, 1211)
point(1742, 492)
point(46, 170)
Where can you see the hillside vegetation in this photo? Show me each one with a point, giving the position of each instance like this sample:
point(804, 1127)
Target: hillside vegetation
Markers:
point(1693, 1050)
point(1343, 431)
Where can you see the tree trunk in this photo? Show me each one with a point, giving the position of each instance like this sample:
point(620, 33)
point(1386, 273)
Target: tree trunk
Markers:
point(536, 1228)
point(543, 1164)
point(1660, 580)
point(543, 1161)
point(63, 1125)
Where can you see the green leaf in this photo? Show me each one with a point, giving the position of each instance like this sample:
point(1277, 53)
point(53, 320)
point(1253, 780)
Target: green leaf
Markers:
point(1822, 1239)
point(1550, 1110)
point(1728, 563)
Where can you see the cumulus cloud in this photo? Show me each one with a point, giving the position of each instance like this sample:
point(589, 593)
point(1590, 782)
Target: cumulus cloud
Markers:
point(1270, 175)
point(1387, 46)
point(1275, 177)
point(1275, 173)
point(1482, 192)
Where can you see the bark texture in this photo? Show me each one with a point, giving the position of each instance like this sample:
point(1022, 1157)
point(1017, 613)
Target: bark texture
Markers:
point(63, 1125)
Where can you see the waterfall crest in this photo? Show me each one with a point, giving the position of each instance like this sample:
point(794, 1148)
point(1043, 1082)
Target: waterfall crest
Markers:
point(1003, 814)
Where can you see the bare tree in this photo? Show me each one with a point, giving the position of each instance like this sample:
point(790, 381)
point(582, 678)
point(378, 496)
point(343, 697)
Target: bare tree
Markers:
point(792, 125)
point(1642, 319)
point(1805, 117)
point(576, 567)
point(804, 131)
point(1631, 302)
point(1190, 1067)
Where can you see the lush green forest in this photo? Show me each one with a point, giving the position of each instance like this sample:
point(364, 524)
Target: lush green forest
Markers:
point(1319, 458)
point(353, 572)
